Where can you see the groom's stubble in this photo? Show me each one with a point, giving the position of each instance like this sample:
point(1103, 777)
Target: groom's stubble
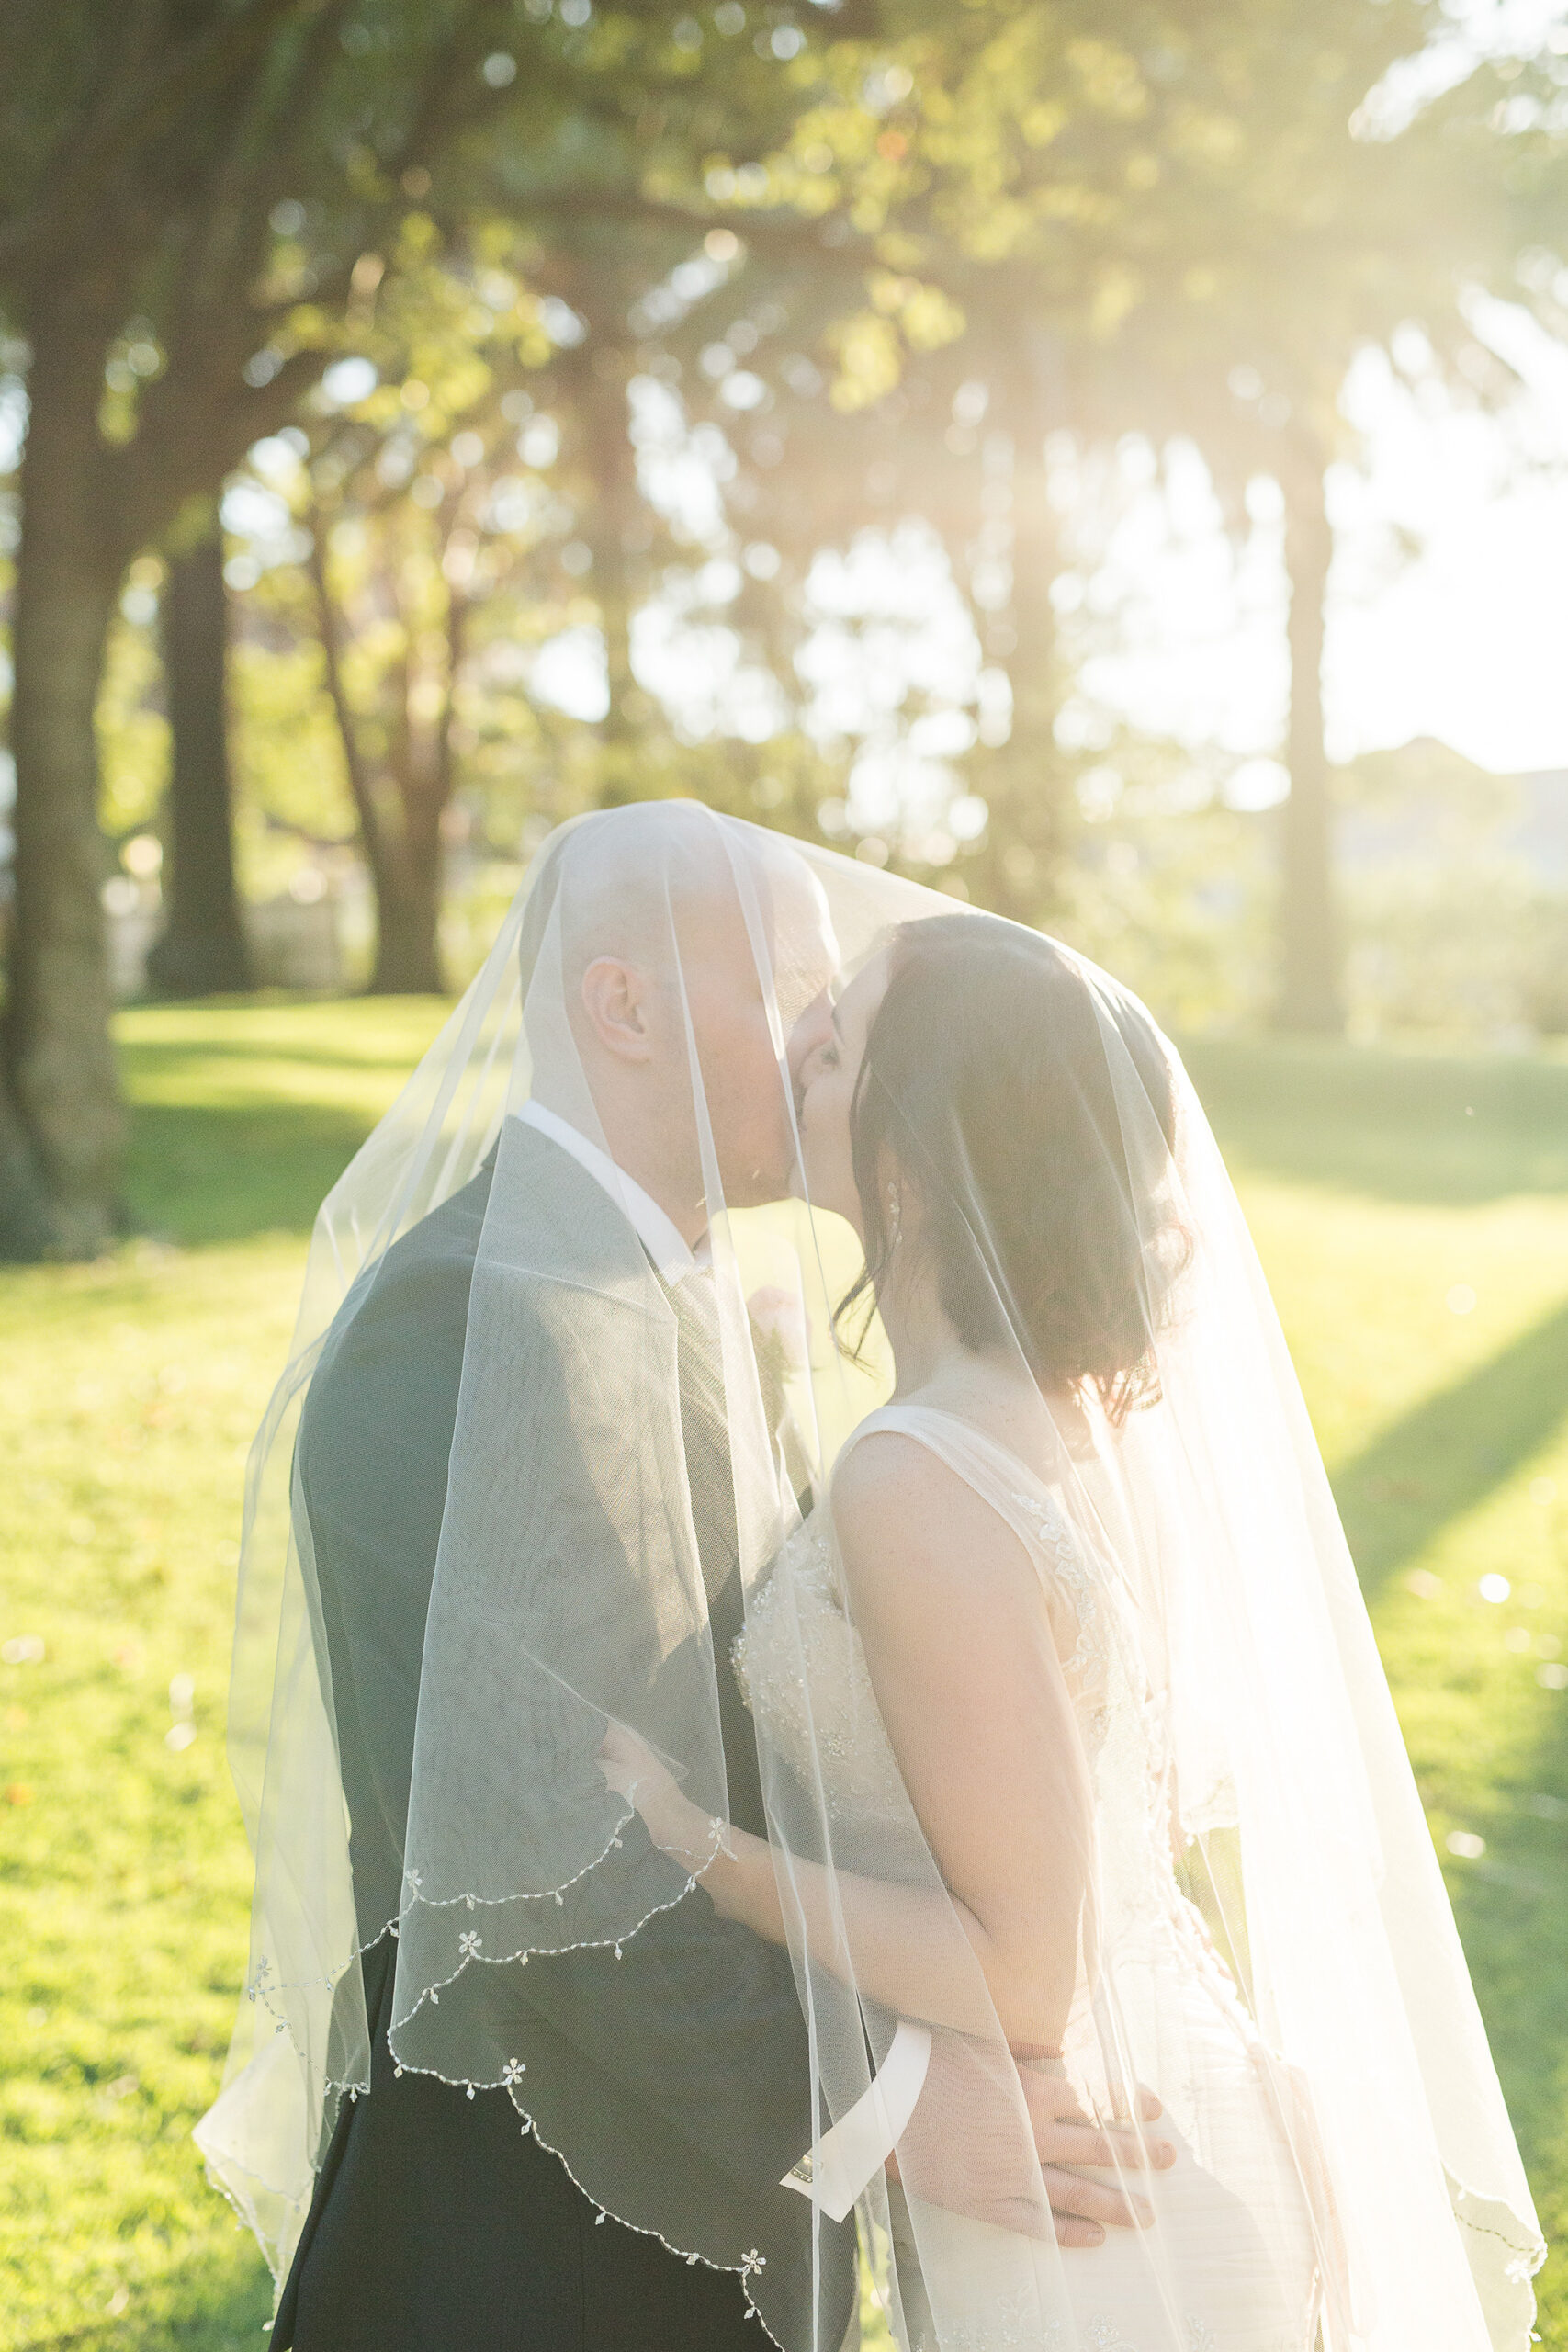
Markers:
point(749, 1092)
point(720, 968)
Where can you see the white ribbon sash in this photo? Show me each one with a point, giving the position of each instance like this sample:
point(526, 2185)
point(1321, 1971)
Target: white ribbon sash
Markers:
point(836, 2170)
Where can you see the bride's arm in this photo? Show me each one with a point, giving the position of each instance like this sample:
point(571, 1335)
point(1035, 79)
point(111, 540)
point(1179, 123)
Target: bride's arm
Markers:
point(970, 1688)
point(900, 1945)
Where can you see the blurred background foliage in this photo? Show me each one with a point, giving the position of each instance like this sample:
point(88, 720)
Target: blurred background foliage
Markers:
point(545, 404)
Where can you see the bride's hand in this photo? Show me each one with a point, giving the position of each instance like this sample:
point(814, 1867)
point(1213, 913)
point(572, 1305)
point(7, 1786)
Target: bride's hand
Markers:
point(675, 1824)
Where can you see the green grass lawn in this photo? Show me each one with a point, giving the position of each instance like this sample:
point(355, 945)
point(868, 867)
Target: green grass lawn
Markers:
point(1385, 1192)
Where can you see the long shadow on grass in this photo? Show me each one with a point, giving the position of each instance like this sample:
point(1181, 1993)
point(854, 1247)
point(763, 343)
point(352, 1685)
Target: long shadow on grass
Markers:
point(207, 1174)
point(1512, 1910)
point(1451, 1451)
point(1443, 1459)
point(1446, 1131)
point(166, 1057)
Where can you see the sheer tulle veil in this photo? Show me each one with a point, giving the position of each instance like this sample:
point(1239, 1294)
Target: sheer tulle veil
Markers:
point(1241, 1667)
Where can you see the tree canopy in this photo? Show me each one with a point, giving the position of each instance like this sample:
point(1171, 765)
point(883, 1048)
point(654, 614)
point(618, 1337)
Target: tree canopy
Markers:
point(677, 337)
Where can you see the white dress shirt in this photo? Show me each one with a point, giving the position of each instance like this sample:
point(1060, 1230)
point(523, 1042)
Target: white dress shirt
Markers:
point(668, 1247)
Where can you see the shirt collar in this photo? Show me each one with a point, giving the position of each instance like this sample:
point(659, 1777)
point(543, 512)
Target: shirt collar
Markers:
point(664, 1243)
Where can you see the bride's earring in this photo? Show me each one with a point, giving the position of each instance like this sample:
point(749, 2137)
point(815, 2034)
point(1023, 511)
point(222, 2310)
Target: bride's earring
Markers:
point(895, 1223)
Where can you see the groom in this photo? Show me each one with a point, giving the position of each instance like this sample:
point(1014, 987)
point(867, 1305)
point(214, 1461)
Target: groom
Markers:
point(436, 2225)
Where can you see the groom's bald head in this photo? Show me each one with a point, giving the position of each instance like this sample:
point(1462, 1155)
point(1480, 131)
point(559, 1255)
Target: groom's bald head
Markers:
point(655, 927)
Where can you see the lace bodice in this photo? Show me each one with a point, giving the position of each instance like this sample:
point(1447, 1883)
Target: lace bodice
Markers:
point(802, 1672)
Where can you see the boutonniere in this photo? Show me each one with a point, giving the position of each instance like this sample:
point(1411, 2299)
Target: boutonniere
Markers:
point(780, 1342)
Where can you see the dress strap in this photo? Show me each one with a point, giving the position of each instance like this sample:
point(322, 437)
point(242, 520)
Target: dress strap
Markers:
point(981, 1461)
point(1067, 1565)
point(1014, 1491)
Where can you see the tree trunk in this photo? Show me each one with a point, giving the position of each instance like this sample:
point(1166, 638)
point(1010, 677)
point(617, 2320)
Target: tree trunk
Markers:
point(58, 1056)
point(1309, 999)
point(1017, 872)
point(612, 469)
point(201, 951)
point(27, 1226)
point(408, 892)
point(408, 956)
point(403, 857)
point(408, 885)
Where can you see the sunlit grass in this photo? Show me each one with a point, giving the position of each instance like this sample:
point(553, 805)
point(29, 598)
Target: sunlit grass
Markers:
point(128, 1391)
point(128, 1394)
point(1412, 1215)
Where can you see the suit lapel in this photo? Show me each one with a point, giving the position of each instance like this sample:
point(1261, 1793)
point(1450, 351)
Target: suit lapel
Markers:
point(563, 1226)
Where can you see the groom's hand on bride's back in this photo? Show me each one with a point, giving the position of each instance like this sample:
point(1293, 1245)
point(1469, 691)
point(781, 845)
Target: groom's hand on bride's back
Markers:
point(1067, 2140)
point(958, 2153)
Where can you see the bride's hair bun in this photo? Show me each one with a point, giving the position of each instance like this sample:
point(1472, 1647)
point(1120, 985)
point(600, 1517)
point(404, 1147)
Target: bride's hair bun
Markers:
point(1033, 1112)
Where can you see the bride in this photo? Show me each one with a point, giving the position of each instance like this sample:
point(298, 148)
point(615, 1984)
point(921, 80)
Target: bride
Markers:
point(1011, 1681)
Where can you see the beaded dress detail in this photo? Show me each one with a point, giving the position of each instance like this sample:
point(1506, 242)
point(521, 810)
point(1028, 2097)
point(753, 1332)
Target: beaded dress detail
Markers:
point(800, 1615)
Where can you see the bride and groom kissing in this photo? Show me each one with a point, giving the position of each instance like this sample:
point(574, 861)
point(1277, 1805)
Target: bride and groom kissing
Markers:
point(670, 1841)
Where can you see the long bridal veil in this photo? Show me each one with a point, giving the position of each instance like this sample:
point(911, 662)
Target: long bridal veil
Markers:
point(1240, 1701)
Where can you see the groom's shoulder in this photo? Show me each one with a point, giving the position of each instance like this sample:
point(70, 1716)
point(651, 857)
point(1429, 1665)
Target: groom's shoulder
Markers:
point(443, 1244)
point(385, 1391)
point(436, 1256)
point(417, 1295)
point(544, 1195)
point(407, 1319)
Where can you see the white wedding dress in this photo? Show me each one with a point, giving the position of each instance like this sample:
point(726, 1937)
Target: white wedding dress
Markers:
point(1237, 2269)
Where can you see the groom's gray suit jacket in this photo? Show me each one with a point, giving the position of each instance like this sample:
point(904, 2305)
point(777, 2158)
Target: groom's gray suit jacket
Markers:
point(691, 2048)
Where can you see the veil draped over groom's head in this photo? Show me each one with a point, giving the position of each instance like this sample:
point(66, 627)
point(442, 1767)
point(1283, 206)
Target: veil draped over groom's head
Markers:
point(641, 1016)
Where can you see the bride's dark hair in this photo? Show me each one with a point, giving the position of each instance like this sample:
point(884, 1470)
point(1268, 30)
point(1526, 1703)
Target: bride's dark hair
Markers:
point(985, 1080)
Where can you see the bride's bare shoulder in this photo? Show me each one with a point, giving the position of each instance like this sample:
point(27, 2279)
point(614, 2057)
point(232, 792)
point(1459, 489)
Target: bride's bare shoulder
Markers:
point(875, 1470)
point(902, 1515)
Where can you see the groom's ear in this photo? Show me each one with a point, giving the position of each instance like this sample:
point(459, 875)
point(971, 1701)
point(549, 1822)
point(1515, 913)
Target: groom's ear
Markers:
point(615, 1000)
